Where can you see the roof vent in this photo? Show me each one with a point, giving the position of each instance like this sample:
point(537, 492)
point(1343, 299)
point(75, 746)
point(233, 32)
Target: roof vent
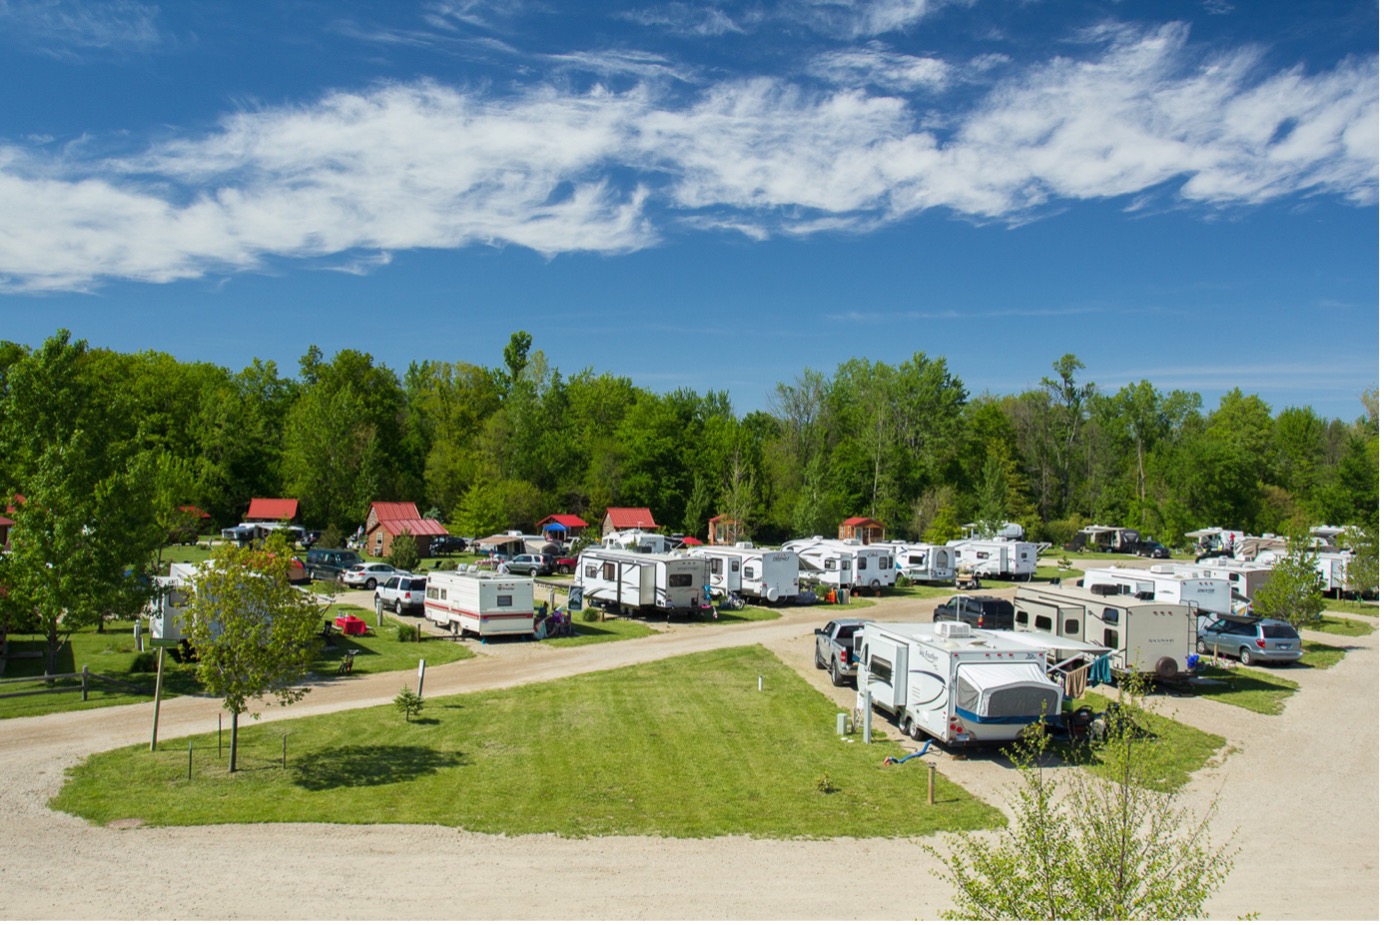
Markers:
point(1104, 590)
point(953, 629)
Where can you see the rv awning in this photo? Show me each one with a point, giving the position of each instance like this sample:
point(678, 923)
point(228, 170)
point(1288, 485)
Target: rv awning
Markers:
point(1050, 642)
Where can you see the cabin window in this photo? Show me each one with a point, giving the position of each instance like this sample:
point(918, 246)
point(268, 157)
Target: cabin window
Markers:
point(1110, 615)
point(1042, 623)
point(881, 670)
point(1112, 639)
point(680, 581)
point(608, 571)
point(1073, 628)
point(1021, 617)
point(715, 566)
point(735, 565)
point(749, 571)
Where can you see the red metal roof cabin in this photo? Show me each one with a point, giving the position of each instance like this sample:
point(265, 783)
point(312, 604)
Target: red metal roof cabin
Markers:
point(627, 518)
point(866, 530)
point(387, 519)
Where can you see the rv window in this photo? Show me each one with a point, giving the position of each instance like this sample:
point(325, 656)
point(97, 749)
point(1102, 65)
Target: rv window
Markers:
point(1021, 617)
point(883, 561)
point(715, 566)
point(829, 564)
point(864, 562)
point(881, 670)
point(1073, 628)
point(967, 696)
point(1042, 623)
point(1110, 615)
point(749, 571)
point(982, 555)
point(680, 581)
point(608, 571)
point(1112, 639)
point(504, 600)
point(735, 565)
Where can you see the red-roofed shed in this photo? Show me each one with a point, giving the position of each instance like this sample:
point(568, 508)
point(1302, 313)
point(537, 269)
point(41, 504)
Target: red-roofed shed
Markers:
point(561, 524)
point(865, 530)
point(627, 518)
point(387, 519)
point(272, 510)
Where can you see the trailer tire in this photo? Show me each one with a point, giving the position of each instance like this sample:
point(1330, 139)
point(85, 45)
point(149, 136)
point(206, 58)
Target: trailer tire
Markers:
point(874, 584)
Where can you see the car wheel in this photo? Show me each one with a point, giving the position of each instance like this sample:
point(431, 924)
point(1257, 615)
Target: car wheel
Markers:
point(817, 659)
point(1245, 657)
point(370, 584)
point(399, 606)
point(1201, 646)
point(835, 674)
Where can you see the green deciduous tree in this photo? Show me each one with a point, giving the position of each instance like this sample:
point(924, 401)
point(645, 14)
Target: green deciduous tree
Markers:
point(1110, 844)
point(255, 634)
point(403, 552)
point(1293, 590)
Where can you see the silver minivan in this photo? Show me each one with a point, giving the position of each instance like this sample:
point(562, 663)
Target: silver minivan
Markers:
point(1251, 640)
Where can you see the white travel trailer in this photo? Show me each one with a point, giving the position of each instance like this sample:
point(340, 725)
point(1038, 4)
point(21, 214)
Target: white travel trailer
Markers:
point(637, 582)
point(958, 685)
point(1161, 583)
point(848, 565)
point(1144, 637)
point(640, 541)
point(925, 562)
point(1246, 578)
point(1015, 560)
point(761, 574)
point(1333, 566)
point(482, 604)
point(166, 610)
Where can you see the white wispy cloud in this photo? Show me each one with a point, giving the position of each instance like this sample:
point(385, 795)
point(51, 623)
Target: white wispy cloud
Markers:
point(875, 65)
point(65, 28)
point(401, 166)
point(687, 19)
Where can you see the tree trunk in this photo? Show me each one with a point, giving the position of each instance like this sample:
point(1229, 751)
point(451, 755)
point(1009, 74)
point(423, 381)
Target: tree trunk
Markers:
point(235, 727)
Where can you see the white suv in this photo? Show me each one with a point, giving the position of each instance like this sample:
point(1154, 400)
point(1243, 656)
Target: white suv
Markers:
point(401, 592)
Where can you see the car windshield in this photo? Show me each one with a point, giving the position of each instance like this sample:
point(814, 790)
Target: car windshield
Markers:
point(1274, 631)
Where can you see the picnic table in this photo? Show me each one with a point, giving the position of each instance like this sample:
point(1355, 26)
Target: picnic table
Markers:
point(351, 625)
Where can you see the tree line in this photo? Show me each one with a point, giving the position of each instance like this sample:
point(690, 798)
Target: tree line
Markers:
point(492, 448)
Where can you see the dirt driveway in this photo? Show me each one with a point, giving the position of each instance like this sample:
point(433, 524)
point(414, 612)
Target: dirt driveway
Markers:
point(1302, 788)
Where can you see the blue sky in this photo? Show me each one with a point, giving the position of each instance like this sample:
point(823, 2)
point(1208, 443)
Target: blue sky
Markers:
point(710, 195)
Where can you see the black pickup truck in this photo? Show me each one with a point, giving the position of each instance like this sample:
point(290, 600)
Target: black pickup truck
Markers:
point(836, 649)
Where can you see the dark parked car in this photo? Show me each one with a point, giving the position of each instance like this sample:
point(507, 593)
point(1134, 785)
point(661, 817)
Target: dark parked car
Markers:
point(1151, 548)
point(1251, 640)
point(443, 545)
point(328, 564)
point(979, 610)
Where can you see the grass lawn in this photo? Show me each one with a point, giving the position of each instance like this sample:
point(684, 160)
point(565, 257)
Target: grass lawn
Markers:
point(1257, 691)
point(1183, 749)
point(1341, 626)
point(113, 654)
point(1362, 608)
point(686, 747)
point(1320, 655)
point(610, 630)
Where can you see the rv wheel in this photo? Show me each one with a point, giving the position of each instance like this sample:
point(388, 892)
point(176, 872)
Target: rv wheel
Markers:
point(874, 584)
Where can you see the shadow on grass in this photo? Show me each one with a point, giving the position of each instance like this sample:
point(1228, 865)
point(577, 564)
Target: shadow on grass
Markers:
point(369, 765)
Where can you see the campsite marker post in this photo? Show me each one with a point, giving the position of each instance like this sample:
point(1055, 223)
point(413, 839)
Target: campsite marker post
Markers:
point(422, 663)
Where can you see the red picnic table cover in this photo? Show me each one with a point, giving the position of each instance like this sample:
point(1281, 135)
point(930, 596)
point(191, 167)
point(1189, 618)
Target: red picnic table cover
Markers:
point(352, 625)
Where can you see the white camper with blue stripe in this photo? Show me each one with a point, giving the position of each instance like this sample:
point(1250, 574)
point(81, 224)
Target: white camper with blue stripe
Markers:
point(955, 684)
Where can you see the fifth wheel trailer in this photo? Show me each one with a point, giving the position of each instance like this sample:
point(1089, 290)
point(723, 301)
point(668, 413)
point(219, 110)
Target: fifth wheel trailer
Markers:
point(1161, 583)
point(1144, 637)
point(958, 685)
point(760, 574)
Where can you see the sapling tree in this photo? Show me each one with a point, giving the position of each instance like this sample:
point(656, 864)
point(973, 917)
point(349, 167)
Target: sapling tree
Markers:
point(1293, 590)
point(1111, 842)
point(408, 703)
point(403, 555)
point(254, 633)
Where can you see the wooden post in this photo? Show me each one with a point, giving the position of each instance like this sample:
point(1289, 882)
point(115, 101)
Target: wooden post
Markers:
point(931, 783)
point(285, 751)
point(85, 683)
point(422, 664)
point(158, 693)
point(218, 737)
point(189, 759)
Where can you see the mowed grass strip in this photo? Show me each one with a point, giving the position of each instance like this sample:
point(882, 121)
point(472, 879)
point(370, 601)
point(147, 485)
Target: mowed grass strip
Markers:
point(1249, 689)
point(1342, 626)
point(687, 747)
point(1180, 750)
